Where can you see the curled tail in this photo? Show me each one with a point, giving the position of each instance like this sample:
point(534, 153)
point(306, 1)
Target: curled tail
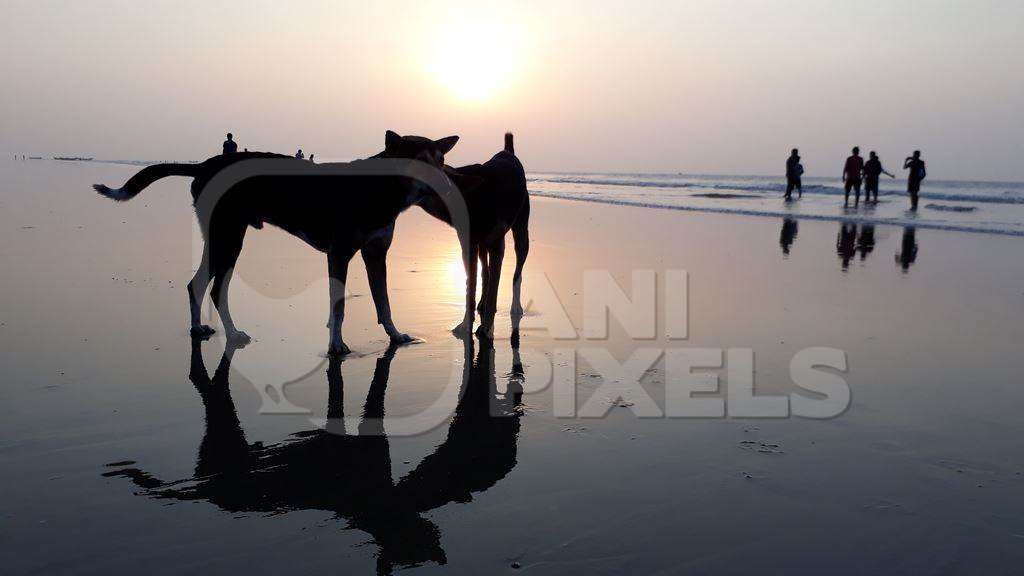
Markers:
point(144, 178)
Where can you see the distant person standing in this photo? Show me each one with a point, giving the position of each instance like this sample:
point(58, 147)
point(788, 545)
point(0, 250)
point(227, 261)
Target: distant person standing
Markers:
point(872, 170)
point(852, 172)
point(793, 172)
point(230, 146)
point(311, 157)
point(300, 155)
point(917, 174)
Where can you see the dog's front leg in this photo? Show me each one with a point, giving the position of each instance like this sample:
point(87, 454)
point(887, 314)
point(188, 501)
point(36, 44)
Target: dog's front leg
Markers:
point(375, 254)
point(489, 296)
point(196, 292)
point(484, 279)
point(469, 261)
point(337, 269)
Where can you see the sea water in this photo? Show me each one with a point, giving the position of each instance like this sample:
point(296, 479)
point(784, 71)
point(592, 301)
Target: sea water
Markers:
point(989, 207)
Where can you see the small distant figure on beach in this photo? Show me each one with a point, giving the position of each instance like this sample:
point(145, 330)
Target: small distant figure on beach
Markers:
point(917, 174)
point(794, 170)
point(230, 146)
point(300, 155)
point(872, 170)
point(852, 175)
point(788, 235)
point(311, 157)
point(245, 150)
point(908, 249)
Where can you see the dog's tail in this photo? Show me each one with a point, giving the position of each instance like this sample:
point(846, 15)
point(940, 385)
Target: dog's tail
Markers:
point(508, 143)
point(144, 178)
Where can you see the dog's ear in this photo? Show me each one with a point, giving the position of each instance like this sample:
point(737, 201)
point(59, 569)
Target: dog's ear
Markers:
point(445, 145)
point(392, 140)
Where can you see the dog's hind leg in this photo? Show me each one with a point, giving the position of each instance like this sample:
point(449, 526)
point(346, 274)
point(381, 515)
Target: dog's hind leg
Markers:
point(337, 269)
point(495, 256)
point(521, 239)
point(225, 244)
point(196, 292)
point(375, 253)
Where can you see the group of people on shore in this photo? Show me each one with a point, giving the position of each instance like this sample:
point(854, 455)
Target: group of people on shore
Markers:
point(231, 147)
point(857, 172)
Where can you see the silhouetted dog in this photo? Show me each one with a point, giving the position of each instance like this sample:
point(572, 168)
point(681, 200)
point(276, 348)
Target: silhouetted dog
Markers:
point(336, 214)
point(497, 201)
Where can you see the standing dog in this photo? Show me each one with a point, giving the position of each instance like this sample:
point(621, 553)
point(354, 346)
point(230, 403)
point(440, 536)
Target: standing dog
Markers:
point(332, 213)
point(497, 201)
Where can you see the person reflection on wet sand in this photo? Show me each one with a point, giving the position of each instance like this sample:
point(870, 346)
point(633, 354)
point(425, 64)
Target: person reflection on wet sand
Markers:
point(866, 241)
point(908, 249)
point(350, 475)
point(788, 235)
point(846, 243)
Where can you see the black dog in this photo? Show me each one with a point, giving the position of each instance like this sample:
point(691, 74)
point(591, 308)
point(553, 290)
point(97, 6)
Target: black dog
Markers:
point(497, 201)
point(336, 214)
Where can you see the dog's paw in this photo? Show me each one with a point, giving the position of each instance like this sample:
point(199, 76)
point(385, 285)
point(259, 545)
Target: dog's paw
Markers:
point(202, 331)
point(238, 338)
point(485, 331)
point(401, 338)
point(340, 349)
point(463, 329)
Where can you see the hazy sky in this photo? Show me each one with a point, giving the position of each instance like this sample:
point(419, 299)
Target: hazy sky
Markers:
point(711, 86)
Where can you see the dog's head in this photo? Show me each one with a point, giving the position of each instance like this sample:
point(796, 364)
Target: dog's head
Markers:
point(437, 206)
point(418, 148)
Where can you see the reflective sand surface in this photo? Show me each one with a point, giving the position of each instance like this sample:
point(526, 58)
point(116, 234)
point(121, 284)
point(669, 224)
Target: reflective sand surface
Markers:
point(122, 447)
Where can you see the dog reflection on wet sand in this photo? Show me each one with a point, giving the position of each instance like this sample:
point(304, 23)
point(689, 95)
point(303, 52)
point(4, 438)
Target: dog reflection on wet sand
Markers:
point(350, 474)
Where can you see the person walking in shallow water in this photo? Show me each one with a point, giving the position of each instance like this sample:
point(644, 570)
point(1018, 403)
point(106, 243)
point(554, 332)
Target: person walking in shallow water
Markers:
point(872, 170)
point(917, 174)
point(230, 146)
point(793, 172)
point(852, 172)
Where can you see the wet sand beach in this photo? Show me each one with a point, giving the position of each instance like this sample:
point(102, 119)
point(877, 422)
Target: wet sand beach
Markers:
point(126, 445)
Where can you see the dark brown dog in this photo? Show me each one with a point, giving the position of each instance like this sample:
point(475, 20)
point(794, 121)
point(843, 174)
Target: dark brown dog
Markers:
point(336, 214)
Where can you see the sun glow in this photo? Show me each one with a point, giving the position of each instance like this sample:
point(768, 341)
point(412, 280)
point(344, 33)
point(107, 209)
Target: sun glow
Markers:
point(477, 59)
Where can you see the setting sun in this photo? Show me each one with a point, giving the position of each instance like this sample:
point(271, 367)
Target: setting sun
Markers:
point(476, 59)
